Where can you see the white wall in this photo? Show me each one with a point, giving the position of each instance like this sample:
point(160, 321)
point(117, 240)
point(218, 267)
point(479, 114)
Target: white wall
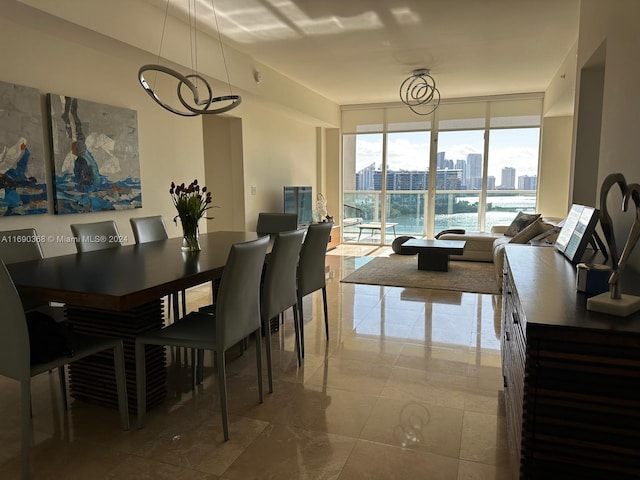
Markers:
point(277, 149)
point(615, 24)
point(276, 144)
point(555, 156)
point(36, 53)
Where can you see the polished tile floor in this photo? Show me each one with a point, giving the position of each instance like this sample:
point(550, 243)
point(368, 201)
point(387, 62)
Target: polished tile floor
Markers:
point(408, 386)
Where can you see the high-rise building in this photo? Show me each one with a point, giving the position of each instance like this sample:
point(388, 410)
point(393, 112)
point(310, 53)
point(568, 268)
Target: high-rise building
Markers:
point(448, 179)
point(508, 180)
point(440, 160)
point(527, 182)
point(474, 171)
point(462, 166)
point(491, 182)
point(364, 178)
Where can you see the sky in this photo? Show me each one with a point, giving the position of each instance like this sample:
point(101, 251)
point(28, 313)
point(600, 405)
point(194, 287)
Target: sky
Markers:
point(516, 148)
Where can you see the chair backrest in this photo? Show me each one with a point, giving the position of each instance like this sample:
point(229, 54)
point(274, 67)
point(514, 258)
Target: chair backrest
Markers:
point(96, 235)
point(149, 229)
point(20, 246)
point(311, 267)
point(14, 335)
point(279, 286)
point(238, 301)
point(276, 222)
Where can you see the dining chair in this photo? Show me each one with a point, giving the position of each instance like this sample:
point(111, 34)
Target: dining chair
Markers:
point(149, 229)
point(15, 359)
point(279, 292)
point(276, 222)
point(23, 245)
point(95, 235)
point(153, 229)
point(311, 271)
point(237, 315)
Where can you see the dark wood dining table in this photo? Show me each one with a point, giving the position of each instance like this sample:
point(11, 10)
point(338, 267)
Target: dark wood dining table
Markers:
point(118, 292)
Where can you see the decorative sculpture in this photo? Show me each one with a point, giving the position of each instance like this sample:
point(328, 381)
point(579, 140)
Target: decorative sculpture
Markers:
point(614, 302)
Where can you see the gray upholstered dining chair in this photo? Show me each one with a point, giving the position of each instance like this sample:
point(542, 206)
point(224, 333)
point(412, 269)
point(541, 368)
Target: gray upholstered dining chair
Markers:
point(276, 222)
point(311, 271)
point(96, 235)
point(237, 315)
point(22, 245)
point(153, 229)
point(149, 229)
point(279, 291)
point(15, 359)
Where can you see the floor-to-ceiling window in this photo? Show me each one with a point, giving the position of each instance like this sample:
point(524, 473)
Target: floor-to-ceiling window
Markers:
point(471, 165)
point(460, 173)
point(407, 181)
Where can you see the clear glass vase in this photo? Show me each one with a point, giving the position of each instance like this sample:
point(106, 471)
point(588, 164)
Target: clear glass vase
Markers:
point(190, 235)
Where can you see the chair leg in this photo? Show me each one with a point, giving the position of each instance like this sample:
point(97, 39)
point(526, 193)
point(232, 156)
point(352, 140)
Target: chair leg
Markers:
point(26, 427)
point(267, 334)
point(121, 385)
point(200, 371)
point(259, 362)
point(301, 326)
point(326, 314)
point(195, 355)
point(296, 326)
point(222, 385)
point(141, 383)
point(63, 387)
point(175, 306)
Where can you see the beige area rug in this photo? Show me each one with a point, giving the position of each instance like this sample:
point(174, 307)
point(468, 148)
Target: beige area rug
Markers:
point(402, 271)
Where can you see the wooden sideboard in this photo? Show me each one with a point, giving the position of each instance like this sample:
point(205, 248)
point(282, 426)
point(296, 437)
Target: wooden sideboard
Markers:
point(335, 237)
point(571, 376)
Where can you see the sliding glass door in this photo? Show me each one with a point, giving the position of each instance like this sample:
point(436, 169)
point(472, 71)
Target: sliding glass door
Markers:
point(459, 180)
point(407, 183)
point(513, 170)
point(362, 186)
point(469, 165)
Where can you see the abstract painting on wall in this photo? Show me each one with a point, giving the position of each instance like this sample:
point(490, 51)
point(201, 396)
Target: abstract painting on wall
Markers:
point(96, 165)
point(23, 184)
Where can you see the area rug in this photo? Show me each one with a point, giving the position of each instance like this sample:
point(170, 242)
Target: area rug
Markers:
point(402, 271)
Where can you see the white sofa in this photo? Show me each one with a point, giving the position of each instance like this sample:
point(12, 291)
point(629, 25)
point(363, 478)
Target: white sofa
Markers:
point(489, 246)
point(479, 246)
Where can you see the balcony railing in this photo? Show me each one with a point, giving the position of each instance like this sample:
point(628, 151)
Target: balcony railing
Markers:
point(408, 209)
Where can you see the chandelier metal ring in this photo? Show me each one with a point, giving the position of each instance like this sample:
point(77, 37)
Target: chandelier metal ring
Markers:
point(196, 96)
point(419, 92)
point(185, 80)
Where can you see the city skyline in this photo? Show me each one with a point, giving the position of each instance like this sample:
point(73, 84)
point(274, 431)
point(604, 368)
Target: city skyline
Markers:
point(516, 148)
point(464, 174)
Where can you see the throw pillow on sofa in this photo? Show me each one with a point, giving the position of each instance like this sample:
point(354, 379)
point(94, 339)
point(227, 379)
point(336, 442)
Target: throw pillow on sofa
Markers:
point(531, 231)
point(522, 221)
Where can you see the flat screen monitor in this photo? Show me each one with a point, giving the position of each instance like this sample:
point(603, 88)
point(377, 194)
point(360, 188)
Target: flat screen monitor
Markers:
point(299, 200)
point(577, 231)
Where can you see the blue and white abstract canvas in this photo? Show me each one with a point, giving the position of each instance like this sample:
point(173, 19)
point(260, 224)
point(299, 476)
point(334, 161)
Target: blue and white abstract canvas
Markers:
point(96, 164)
point(23, 184)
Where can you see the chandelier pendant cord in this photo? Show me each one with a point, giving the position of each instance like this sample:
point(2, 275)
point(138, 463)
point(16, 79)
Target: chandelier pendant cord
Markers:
point(193, 39)
point(194, 82)
point(224, 57)
point(164, 27)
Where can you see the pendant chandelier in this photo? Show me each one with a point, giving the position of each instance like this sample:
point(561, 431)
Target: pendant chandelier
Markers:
point(419, 92)
point(202, 100)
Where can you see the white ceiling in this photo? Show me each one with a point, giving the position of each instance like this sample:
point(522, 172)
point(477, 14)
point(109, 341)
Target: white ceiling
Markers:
point(360, 51)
